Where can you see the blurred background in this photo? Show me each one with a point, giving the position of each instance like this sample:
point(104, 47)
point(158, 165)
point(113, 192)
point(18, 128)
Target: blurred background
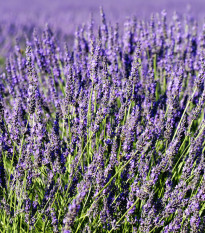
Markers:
point(18, 18)
point(67, 14)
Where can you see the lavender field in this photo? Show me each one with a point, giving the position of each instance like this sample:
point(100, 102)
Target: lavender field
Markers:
point(102, 116)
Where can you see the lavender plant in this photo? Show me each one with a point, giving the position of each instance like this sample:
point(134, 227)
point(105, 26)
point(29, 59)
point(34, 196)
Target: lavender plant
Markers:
point(107, 135)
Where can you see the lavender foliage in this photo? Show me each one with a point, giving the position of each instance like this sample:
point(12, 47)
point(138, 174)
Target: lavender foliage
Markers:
point(106, 135)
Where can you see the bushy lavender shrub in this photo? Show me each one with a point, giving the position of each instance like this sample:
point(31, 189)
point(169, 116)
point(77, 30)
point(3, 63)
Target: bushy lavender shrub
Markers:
point(107, 136)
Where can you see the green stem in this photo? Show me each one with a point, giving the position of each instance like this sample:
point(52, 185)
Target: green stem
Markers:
point(124, 214)
point(108, 183)
point(187, 105)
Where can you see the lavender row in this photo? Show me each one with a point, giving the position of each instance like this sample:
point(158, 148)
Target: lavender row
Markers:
point(107, 136)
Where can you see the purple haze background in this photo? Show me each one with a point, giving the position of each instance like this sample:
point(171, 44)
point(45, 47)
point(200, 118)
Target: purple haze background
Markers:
point(67, 14)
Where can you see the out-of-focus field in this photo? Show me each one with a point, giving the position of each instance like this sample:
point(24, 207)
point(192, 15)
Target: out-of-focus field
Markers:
point(66, 14)
point(19, 17)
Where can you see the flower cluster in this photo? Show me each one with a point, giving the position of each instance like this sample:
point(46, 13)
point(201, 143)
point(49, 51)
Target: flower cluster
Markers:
point(107, 135)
